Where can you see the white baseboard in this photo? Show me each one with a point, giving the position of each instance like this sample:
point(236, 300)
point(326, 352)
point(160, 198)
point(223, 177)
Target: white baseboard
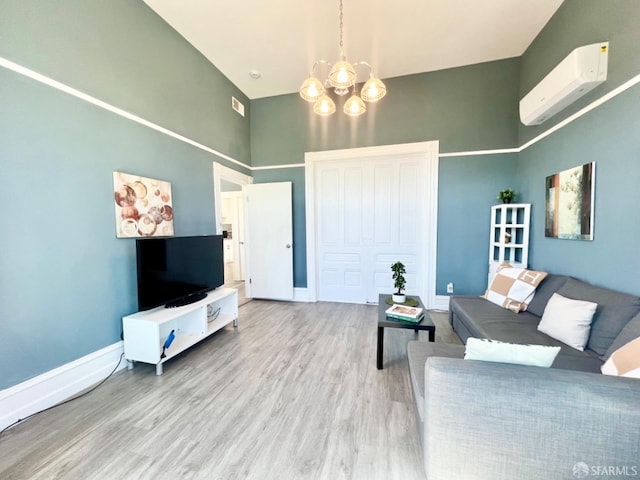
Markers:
point(300, 295)
point(59, 384)
point(441, 302)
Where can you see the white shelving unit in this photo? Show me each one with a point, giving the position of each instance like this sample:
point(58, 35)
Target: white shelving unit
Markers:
point(146, 332)
point(509, 240)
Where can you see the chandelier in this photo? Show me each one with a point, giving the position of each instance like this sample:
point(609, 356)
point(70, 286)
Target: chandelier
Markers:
point(342, 78)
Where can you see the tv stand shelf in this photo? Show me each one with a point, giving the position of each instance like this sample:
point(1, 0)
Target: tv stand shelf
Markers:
point(146, 332)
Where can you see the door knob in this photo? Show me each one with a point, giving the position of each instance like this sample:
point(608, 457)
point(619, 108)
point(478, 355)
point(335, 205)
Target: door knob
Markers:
point(288, 245)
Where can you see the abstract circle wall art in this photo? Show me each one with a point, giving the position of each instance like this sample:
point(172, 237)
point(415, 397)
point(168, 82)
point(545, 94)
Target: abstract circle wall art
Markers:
point(143, 206)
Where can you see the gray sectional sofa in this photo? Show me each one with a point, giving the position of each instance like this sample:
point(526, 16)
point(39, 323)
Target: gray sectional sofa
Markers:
point(484, 420)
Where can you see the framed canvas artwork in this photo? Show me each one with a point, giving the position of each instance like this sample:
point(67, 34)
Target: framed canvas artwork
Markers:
point(570, 202)
point(143, 206)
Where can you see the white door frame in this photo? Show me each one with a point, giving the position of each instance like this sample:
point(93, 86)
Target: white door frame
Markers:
point(238, 233)
point(220, 172)
point(431, 152)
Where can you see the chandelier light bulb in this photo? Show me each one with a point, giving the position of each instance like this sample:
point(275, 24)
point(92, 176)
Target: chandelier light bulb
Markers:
point(354, 106)
point(373, 90)
point(342, 74)
point(311, 89)
point(324, 106)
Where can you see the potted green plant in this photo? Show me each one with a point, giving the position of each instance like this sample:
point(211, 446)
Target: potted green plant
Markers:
point(399, 282)
point(507, 196)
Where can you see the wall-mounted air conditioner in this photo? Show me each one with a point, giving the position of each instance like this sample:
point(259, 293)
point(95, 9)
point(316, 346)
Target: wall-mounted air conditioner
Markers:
point(582, 70)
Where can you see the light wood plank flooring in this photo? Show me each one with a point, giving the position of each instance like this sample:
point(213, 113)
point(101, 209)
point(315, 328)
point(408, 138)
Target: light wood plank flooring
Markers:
point(292, 393)
point(238, 285)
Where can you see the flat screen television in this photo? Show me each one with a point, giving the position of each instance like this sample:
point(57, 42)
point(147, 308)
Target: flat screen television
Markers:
point(176, 271)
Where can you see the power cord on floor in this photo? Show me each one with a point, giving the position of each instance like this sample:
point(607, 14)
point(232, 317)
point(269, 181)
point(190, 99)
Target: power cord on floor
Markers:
point(20, 420)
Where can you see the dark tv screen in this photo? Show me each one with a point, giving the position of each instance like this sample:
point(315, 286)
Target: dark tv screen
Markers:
point(173, 271)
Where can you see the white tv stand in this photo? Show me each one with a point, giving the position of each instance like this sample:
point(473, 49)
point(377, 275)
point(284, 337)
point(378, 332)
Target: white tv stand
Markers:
point(146, 332)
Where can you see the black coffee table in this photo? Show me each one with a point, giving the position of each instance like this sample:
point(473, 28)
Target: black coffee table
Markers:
point(383, 321)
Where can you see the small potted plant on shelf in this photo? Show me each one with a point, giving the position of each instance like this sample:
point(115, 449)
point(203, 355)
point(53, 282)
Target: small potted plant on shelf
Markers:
point(399, 282)
point(507, 196)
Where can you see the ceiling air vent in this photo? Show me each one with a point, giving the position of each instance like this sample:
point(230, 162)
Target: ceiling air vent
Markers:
point(237, 106)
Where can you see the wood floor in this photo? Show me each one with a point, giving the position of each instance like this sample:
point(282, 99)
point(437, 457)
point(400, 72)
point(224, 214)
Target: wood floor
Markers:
point(239, 285)
point(292, 393)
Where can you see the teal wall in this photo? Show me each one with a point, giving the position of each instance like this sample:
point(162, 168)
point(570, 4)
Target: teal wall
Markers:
point(607, 135)
point(66, 280)
point(226, 186)
point(467, 189)
point(466, 109)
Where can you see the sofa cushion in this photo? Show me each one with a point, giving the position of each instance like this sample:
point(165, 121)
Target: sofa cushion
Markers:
point(568, 320)
point(614, 311)
point(417, 354)
point(630, 331)
point(588, 362)
point(482, 318)
point(513, 288)
point(550, 285)
point(476, 317)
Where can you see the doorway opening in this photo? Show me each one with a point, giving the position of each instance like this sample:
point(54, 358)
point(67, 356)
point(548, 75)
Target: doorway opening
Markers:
point(229, 210)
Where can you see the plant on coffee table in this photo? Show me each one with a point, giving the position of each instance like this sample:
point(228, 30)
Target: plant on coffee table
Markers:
point(399, 281)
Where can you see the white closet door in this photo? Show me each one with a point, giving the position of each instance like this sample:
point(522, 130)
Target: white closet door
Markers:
point(342, 213)
point(398, 223)
point(370, 214)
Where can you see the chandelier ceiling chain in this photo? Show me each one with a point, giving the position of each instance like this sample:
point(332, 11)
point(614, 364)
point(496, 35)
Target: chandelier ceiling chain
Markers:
point(342, 77)
point(341, 30)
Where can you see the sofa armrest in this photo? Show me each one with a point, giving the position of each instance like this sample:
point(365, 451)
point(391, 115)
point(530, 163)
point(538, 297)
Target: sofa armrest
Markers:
point(496, 421)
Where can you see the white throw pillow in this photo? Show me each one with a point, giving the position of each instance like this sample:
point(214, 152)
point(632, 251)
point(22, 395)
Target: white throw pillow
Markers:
point(625, 361)
point(568, 320)
point(494, 351)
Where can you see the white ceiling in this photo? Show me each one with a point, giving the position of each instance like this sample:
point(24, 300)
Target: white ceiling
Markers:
point(283, 38)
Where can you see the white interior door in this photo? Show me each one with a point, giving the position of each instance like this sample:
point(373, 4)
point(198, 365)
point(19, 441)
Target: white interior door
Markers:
point(269, 240)
point(367, 209)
